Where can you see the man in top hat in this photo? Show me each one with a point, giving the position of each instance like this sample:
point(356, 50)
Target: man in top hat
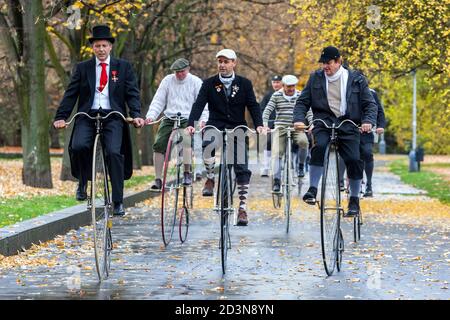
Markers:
point(276, 85)
point(176, 94)
point(227, 95)
point(101, 84)
point(335, 94)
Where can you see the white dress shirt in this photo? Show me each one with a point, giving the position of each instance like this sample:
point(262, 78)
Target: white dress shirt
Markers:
point(101, 99)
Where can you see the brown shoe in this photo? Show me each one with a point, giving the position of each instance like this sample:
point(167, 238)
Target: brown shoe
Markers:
point(208, 189)
point(242, 217)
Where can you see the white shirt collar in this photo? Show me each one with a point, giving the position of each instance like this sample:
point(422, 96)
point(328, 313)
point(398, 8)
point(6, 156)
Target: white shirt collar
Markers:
point(97, 62)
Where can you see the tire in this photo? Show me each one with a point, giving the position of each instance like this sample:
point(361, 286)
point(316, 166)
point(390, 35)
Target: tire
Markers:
point(170, 188)
point(101, 211)
point(183, 226)
point(225, 203)
point(287, 196)
point(330, 209)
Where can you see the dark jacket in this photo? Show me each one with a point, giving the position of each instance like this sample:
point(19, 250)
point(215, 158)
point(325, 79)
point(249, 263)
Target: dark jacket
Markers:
point(263, 105)
point(361, 106)
point(381, 120)
point(121, 92)
point(226, 112)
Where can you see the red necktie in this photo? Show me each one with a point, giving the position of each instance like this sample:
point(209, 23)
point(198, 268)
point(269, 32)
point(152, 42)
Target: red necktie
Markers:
point(103, 77)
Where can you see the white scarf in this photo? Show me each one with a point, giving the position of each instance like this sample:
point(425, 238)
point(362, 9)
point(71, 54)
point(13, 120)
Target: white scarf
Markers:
point(226, 81)
point(291, 98)
point(342, 72)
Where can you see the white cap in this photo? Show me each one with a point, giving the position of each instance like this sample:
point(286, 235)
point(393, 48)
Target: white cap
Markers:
point(227, 53)
point(289, 80)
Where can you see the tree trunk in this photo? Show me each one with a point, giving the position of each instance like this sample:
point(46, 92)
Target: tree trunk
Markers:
point(35, 138)
point(147, 92)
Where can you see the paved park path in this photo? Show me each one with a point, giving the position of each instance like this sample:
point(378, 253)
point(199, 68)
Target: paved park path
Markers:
point(404, 253)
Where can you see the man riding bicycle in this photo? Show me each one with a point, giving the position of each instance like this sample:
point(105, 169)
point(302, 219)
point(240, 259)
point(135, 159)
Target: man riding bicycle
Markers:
point(100, 85)
point(335, 94)
point(283, 102)
point(227, 96)
point(176, 94)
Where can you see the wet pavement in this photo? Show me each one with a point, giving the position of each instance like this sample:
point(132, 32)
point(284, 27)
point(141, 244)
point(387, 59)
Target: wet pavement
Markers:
point(404, 253)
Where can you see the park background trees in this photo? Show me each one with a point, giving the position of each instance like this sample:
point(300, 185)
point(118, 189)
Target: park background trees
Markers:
point(42, 40)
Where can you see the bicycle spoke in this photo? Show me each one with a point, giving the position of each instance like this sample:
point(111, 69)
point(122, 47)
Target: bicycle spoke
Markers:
point(100, 211)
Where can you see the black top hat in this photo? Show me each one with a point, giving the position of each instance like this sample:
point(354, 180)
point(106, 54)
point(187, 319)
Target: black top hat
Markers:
point(329, 53)
point(101, 33)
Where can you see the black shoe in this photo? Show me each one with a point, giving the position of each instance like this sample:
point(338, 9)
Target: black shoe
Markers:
point(353, 207)
point(310, 196)
point(198, 176)
point(301, 171)
point(118, 209)
point(81, 191)
point(368, 192)
point(187, 179)
point(276, 185)
point(156, 186)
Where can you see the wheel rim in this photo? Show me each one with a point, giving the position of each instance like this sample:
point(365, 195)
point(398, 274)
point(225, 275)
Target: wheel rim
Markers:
point(170, 189)
point(184, 223)
point(330, 210)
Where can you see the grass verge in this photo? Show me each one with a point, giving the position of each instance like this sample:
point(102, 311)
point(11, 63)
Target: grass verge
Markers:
point(432, 183)
point(13, 210)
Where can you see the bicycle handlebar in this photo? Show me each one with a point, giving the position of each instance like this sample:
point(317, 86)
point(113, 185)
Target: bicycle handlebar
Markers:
point(166, 117)
point(227, 130)
point(98, 117)
point(331, 127)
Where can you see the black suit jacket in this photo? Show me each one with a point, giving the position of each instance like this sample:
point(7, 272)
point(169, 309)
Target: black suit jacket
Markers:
point(82, 88)
point(361, 106)
point(226, 112)
point(124, 91)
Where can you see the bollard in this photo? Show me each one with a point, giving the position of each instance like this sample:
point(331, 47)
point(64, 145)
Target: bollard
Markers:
point(412, 161)
point(382, 145)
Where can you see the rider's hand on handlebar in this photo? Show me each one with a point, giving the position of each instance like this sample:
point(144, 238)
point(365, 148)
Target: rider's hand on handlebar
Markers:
point(262, 129)
point(59, 124)
point(380, 130)
point(299, 126)
point(138, 122)
point(190, 130)
point(148, 121)
point(366, 127)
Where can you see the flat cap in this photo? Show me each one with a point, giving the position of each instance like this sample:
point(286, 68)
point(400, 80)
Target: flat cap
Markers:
point(227, 53)
point(179, 64)
point(289, 80)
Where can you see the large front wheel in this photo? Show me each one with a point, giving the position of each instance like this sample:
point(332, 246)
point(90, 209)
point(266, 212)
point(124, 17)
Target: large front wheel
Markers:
point(170, 186)
point(287, 193)
point(224, 193)
point(330, 209)
point(100, 211)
